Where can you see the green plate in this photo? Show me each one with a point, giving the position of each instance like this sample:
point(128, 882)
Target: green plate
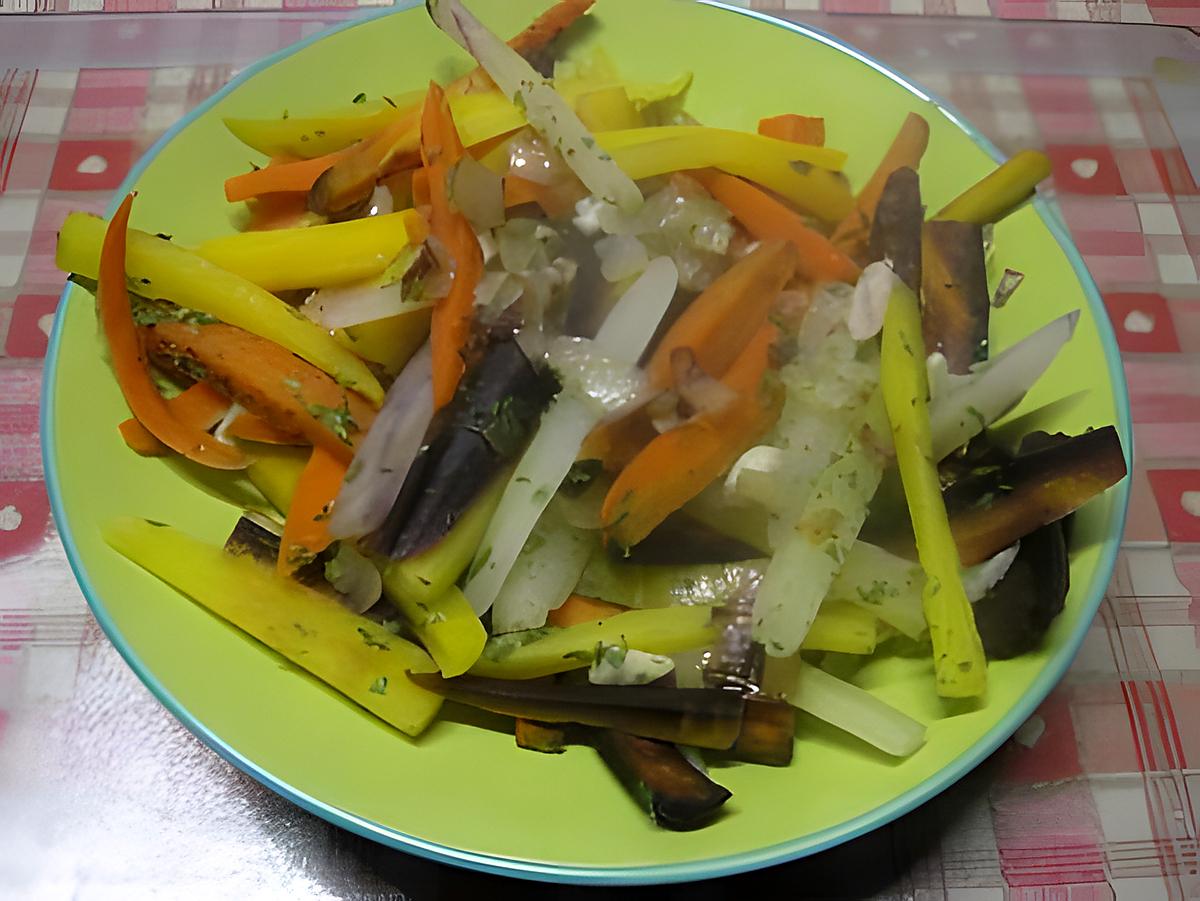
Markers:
point(464, 794)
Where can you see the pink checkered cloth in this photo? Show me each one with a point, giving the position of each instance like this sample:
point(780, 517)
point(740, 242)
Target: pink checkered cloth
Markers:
point(1161, 12)
point(1142, 12)
point(1094, 799)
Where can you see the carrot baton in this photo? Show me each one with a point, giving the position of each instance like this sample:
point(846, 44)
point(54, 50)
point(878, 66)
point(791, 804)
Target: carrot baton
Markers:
point(765, 218)
point(200, 406)
point(344, 186)
point(280, 177)
point(281, 388)
point(305, 531)
point(451, 323)
point(130, 363)
point(249, 427)
point(719, 323)
point(794, 127)
point(853, 232)
point(678, 464)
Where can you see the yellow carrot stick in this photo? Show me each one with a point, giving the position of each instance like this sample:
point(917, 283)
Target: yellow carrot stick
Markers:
point(1001, 191)
point(959, 663)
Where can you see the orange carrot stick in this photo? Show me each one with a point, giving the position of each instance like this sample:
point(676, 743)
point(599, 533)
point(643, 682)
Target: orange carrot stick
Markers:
point(719, 323)
point(279, 387)
point(793, 127)
point(451, 322)
point(678, 464)
point(279, 178)
point(765, 217)
point(305, 531)
point(130, 364)
point(579, 608)
point(853, 233)
point(200, 406)
point(249, 427)
point(615, 443)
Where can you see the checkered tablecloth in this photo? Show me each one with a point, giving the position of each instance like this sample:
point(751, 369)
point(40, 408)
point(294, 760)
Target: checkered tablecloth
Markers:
point(1159, 12)
point(1091, 801)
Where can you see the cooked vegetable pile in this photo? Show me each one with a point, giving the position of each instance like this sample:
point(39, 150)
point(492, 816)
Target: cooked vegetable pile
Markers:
point(568, 407)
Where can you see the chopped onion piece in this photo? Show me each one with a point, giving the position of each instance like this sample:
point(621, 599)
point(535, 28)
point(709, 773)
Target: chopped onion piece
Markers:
point(621, 257)
point(386, 453)
point(871, 294)
point(752, 476)
point(354, 578)
point(544, 109)
point(981, 578)
point(381, 202)
point(398, 290)
point(695, 387)
point(584, 371)
point(478, 192)
point(626, 332)
point(497, 291)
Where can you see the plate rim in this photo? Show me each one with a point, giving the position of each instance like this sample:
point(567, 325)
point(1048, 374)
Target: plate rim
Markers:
point(801, 846)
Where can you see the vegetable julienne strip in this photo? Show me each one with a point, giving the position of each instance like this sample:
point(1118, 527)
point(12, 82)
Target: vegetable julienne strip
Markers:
point(765, 217)
point(907, 148)
point(719, 324)
point(678, 464)
point(624, 335)
point(959, 664)
point(200, 406)
point(1001, 191)
point(183, 277)
point(793, 127)
point(305, 137)
point(305, 532)
point(846, 706)
point(281, 388)
point(129, 358)
point(545, 109)
point(352, 654)
point(440, 150)
point(318, 255)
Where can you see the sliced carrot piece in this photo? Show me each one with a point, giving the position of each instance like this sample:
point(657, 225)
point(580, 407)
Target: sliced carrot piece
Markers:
point(451, 322)
point(289, 393)
point(200, 406)
point(719, 323)
point(579, 608)
point(130, 364)
point(765, 217)
point(794, 127)
point(249, 427)
point(420, 188)
point(278, 178)
point(854, 232)
point(615, 443)
point(354, 175)
point(305, 531)
point(678, 464)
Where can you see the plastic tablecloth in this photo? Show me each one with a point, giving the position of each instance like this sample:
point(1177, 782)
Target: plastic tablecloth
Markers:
point(104, 795)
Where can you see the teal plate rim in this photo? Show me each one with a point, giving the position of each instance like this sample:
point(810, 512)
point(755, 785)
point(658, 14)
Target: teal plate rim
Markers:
point(793, 849)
